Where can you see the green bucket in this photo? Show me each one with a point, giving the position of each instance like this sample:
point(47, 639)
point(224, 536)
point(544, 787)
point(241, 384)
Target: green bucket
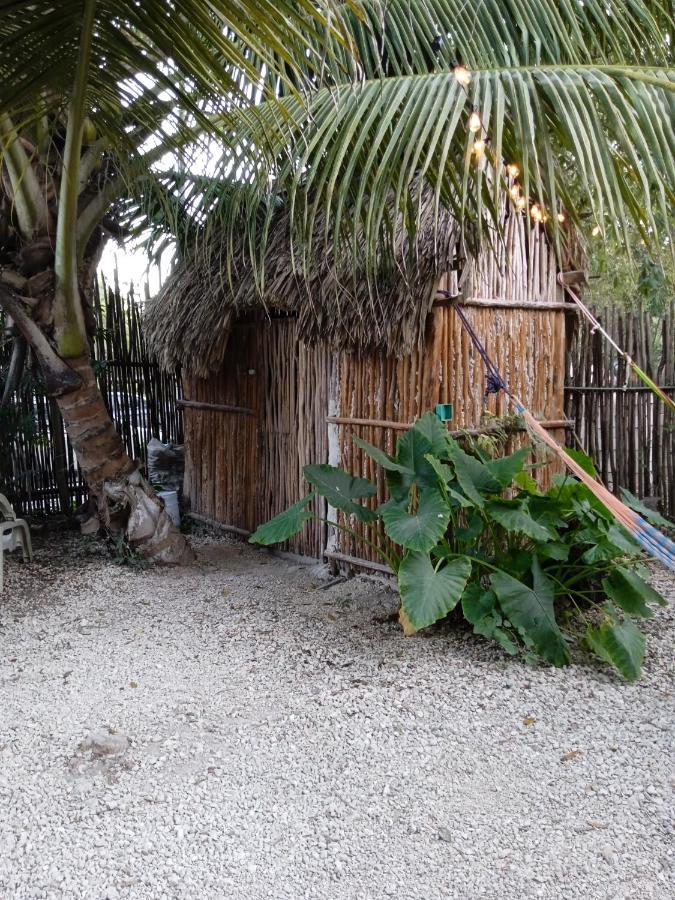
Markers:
point(445, 412)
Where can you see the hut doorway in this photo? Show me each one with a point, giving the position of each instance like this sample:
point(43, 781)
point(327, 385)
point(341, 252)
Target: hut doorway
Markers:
point(221, 435)
point(252, 427)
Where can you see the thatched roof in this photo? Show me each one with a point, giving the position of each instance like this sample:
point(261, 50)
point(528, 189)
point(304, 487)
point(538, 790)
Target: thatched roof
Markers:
point(188, 323)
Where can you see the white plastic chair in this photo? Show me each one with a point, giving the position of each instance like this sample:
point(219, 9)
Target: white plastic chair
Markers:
point(13, 532)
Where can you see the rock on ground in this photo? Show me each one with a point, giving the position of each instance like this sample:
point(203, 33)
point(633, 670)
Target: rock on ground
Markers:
point(232, 730)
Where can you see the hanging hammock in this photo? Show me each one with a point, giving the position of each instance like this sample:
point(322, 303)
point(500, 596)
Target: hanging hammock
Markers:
point(650, 538)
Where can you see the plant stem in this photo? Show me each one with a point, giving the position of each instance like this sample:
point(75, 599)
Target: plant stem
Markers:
point(385, 556)
point(27, 195)
point(69, 325)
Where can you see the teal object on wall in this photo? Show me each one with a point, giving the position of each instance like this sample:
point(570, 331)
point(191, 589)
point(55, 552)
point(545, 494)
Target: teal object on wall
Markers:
point(445, 412)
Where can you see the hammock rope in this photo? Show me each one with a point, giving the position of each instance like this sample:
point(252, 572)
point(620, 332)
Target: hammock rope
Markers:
point(596, 326)
point(650, 538)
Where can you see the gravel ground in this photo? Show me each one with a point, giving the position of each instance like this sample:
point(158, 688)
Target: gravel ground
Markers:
point(236, 730)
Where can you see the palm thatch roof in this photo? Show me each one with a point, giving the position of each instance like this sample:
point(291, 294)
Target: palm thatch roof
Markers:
point(336, 299)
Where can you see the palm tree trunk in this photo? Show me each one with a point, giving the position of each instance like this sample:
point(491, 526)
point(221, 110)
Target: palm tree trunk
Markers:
point(123, 498)
point(97, 445)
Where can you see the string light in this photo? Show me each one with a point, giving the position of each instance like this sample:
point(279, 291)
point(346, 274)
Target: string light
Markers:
point(561, 217)
point(462, 75)
point(515, 191)
point(520, 203)
point(474, 122)
point(536, 213)
point(513, 170)
point(479, 147)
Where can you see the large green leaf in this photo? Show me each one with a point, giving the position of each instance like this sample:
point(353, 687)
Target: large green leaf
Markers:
point(514, 516)
point(285, 525)
point(583, 460)
point(428, 595)
point(473, 476)
point(506, 468)
point(479, 608)
point(651, 515)
point(341, 489)
point(411, 451)
point(532, 612)
point(621, 644)
point(546, 510)
point(554, 550)
point(431, 427)
point(611, 541)
point(422, 530)
point(527, 483)
point(444, 472)
point(477, 603)
point(631, 593)
point(380, 457)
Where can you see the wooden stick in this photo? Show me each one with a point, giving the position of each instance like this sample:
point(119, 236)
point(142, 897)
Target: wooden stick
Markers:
point(500, 303)
point(404, 426)
point(216, 407)
point(357, 561)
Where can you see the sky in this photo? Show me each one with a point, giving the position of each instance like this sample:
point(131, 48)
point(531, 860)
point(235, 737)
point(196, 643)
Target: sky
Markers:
point(133, 267)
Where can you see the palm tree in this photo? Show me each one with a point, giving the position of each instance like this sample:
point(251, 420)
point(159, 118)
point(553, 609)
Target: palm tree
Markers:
point(346, 113)
point(92, 94)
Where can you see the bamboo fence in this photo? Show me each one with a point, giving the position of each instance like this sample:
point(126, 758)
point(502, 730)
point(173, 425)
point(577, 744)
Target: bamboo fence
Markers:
point(39, 472)
point(620, 423)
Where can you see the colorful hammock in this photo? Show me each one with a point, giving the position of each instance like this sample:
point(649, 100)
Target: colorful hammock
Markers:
point(650, 538)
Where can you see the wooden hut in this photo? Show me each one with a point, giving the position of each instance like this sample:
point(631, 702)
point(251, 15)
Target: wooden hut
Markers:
point(281, 376)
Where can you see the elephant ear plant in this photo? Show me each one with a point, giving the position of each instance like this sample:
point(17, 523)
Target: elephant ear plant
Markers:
point(536, 572)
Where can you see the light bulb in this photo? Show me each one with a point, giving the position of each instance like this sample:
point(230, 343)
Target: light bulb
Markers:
point(536, 213)
point(462, 75)
point(515, 191)
point(561, 217)
point(520, 203)
point(479, 147)
point(513, 170)
point(474, 122)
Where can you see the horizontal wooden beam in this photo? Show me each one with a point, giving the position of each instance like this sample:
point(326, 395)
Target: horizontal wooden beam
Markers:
point(218, 526)
point(404, 426)
point(355, 561)
point(497, 303)
point(590, 389)
point(216, 407)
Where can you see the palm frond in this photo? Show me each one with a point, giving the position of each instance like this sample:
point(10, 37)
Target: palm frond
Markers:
point(581, 97)
point(199, 58)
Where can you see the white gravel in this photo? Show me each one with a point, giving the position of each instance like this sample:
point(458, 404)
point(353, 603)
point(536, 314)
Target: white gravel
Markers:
point(232, 730)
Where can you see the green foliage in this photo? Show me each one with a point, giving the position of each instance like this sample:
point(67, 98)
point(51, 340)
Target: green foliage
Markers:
point(420, 530)
point(621, 644)
point(285, 525)
point(428, 592)
point(651, 515)
point(531, 611)
point(341, 489)
point(474, 532)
